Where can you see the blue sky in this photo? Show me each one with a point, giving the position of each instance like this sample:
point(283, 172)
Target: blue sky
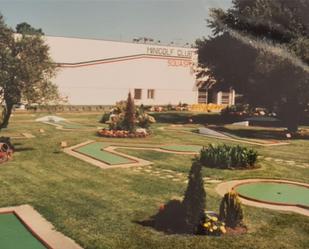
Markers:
point(180, 21)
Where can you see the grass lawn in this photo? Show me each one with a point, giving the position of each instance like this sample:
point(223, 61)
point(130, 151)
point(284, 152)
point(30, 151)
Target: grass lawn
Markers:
point(100, 209)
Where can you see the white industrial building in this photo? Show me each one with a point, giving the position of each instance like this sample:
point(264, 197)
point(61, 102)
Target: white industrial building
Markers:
point(98, 72)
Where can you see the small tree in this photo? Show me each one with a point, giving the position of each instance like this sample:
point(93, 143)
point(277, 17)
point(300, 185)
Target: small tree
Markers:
point(230, 210)
point(195, 197)
point(129, 116)
point(25, 70)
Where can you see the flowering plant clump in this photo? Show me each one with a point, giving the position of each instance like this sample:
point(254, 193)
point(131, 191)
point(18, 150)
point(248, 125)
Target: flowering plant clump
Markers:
point(211, 225)
point(128, 119)
point(123, 133)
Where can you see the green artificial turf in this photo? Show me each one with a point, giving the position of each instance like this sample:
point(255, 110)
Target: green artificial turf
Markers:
point(14, 235)
point(182, 148)
point(275, 192)
point(95, 150)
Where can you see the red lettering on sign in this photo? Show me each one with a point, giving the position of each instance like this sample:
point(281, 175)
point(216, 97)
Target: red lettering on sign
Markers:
point(179, 63)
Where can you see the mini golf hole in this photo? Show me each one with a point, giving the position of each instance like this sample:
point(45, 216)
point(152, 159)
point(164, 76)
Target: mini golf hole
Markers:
point(275, 192)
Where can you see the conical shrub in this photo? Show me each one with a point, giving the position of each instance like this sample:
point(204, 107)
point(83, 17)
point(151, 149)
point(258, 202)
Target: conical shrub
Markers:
point(195, 197)
point(129, 116)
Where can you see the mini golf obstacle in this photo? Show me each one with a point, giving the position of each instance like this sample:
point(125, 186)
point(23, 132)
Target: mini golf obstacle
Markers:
point(104, 155)
point(208, 132)
point(228, 136)
point(23, 228)
point(62, 123)
point(274, 194)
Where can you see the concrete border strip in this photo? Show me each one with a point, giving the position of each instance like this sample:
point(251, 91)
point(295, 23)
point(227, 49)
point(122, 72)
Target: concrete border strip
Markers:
point(100, 164)
point(112, 149)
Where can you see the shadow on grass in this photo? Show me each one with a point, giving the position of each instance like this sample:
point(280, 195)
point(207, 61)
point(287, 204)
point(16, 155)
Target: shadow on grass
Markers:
point(20, 149)
point(169, 219)
point(254, 133)
point(266, 133)
point(184, 117)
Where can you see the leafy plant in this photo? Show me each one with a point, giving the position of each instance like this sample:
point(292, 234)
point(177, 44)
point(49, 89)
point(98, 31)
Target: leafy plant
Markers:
point(144, 120)
point(105, 117)
point(230, 210)
point(225, 156)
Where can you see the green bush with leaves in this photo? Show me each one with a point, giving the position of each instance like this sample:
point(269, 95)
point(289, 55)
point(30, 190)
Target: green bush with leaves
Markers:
point(230, 210)
point(225, 156)
point(194, 201)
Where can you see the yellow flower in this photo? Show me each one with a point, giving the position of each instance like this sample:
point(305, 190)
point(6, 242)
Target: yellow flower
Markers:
point(215, 227)
point(206, 225)
point(222, 228)
point(214, 218)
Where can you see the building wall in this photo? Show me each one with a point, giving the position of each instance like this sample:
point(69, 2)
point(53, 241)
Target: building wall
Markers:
point(95, 72)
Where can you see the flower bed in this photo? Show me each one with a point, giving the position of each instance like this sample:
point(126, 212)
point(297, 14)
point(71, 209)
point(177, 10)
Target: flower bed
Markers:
point(122, 133)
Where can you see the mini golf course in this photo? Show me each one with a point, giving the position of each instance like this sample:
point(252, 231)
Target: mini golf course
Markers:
point(96, 151)
point(278, 193)
point(22, 227)
point(214, 132)
point(270, 193)
point(105, 155)
point(15, 235)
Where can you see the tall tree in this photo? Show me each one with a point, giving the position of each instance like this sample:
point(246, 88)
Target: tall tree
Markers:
point(25, 71)
point(251, 55)
point(27, 29)
point(280, 21)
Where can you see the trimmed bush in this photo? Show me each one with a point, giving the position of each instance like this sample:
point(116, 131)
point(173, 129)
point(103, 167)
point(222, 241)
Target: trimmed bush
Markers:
point(195, 198)
point(129, 119)
point(230, 210)
point(225, 156)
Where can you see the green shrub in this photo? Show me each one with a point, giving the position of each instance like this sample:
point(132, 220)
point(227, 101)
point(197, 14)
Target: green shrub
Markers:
point(195, 198)
point(144, 120)
point(105, 117)
point(129, 119)
point(225, 156)
point(230, 210)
